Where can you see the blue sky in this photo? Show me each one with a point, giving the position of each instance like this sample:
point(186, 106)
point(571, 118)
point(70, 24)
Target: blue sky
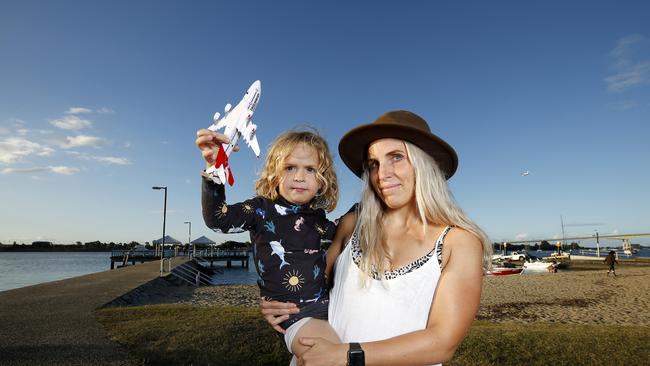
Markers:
point(100, 100)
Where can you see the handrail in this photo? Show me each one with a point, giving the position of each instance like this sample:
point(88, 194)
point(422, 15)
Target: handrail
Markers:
point(187, 272)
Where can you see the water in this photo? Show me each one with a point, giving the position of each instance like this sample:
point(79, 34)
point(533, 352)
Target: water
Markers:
point(235, 274)
point(20, 269)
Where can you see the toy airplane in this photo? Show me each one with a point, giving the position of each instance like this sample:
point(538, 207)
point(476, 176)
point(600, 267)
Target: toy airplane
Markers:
point(238, 123)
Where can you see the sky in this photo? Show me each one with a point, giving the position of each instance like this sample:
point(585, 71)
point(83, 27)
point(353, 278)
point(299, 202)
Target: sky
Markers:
point(101, 100)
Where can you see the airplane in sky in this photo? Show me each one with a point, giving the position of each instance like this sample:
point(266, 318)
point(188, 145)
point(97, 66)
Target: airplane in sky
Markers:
point(523, 174)
point(237, 122)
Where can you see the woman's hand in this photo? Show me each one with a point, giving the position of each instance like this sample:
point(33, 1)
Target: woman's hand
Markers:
point(275, 312)
point(323, 353)
point(208, 142)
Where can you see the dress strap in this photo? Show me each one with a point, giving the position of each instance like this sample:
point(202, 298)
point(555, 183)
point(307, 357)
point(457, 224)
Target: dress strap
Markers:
point(439, 243)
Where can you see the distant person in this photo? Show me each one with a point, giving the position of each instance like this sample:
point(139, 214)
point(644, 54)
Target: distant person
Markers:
point(287, 223)
point(610, 260)
point(552, 268)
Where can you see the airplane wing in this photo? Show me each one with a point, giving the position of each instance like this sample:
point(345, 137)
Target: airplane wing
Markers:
point(251, 139)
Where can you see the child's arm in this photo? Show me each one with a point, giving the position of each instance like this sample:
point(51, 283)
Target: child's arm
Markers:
point(217, 215)
point(225, 218)
point(343, 234)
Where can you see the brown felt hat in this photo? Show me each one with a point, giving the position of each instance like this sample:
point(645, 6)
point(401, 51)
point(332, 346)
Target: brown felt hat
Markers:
point(403, 125)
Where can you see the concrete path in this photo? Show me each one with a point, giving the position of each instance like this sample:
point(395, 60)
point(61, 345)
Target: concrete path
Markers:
point(54, 324)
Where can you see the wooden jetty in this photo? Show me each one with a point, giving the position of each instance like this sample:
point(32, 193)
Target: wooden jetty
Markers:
point(124, 257)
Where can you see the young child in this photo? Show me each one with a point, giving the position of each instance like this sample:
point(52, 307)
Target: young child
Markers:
point(287, 222)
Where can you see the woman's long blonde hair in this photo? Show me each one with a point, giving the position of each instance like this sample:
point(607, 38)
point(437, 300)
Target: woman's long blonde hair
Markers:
point(269, 181)
point(435, 205)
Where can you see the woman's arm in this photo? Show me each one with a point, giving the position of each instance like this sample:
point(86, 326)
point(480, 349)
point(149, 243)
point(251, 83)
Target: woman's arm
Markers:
point(343, 234)
point(453, 310)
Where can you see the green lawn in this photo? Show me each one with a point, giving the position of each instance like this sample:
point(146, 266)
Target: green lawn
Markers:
point(182, 334)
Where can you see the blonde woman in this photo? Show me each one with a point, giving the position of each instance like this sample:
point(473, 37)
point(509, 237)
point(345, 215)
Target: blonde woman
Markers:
point(407, 283)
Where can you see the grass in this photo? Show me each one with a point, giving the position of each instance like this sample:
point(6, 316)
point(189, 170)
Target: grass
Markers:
point(191, 335)
point(532, 344)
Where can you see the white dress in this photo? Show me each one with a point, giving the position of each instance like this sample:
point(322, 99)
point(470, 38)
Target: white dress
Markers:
point(387, 308)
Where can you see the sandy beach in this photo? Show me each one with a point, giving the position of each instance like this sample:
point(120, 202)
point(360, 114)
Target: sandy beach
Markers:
point(580, 297)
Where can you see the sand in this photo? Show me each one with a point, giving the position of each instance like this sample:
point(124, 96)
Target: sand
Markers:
point(584, 297)
point(581, 297)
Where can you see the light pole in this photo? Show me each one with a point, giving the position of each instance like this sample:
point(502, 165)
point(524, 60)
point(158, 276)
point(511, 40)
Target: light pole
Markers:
point(162, 252)
point(189, 236)
point(597, 245)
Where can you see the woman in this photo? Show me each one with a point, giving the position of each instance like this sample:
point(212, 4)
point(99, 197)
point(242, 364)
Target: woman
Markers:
point(407, 284)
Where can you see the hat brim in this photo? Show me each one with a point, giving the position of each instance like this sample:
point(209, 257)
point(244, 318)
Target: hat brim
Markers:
point(354, 145)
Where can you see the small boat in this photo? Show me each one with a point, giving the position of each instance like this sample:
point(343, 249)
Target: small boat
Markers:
point(504, 271)
point(539, 266)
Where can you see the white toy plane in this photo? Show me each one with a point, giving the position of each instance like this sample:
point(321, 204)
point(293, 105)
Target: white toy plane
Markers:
point(237, 122)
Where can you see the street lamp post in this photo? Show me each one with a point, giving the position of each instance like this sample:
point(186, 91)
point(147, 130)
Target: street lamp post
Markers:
point(597, 245)
point(162, 252)
point(189, 235)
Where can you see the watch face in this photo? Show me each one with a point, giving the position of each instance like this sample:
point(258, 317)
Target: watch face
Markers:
point(356, 358)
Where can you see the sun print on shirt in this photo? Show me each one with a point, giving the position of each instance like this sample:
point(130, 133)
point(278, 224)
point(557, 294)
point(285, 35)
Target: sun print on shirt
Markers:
point(293, 280)
point(247, 208)
point(221, 212)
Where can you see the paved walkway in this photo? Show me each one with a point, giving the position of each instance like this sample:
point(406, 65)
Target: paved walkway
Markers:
point(54, 323)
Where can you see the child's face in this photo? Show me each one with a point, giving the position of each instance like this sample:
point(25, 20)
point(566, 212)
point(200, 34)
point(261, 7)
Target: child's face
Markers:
point(298, 183)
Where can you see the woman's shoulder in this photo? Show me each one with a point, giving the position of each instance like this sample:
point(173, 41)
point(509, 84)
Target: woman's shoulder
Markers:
point(345, 227)
point(459, 240)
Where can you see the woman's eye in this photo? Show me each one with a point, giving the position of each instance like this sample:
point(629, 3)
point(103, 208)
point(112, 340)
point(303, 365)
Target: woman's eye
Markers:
point(311, 170)
point(397, 157)
point(290, 168)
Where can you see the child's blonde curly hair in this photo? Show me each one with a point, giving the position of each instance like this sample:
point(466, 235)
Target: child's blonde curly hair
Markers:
point(269, 181)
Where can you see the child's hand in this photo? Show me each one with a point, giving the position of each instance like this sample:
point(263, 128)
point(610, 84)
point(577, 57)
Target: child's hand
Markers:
point(275, 312)
point(208, 142)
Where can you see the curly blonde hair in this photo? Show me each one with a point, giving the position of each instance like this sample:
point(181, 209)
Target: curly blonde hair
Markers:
point(269, 181)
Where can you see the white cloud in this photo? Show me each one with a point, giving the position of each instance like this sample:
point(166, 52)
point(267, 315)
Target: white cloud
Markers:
point(13, 149)
point(628, 72)
point(521, 236)
point(3, 131)
point(64, 170)
point(78, 110)
point(104, 110)
point(71, 122)
point(82, 140)
point(109, 159)
point(113, 160)
point(16, 122)
point(103, 159)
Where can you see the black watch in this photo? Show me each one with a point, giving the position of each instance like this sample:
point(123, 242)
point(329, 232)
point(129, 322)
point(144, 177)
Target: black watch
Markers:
point(355, 355)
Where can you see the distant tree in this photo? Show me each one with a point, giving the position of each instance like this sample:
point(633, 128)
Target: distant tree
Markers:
point(575, 245)
point(41, 244)
point(545, 245)
point(235, 245)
